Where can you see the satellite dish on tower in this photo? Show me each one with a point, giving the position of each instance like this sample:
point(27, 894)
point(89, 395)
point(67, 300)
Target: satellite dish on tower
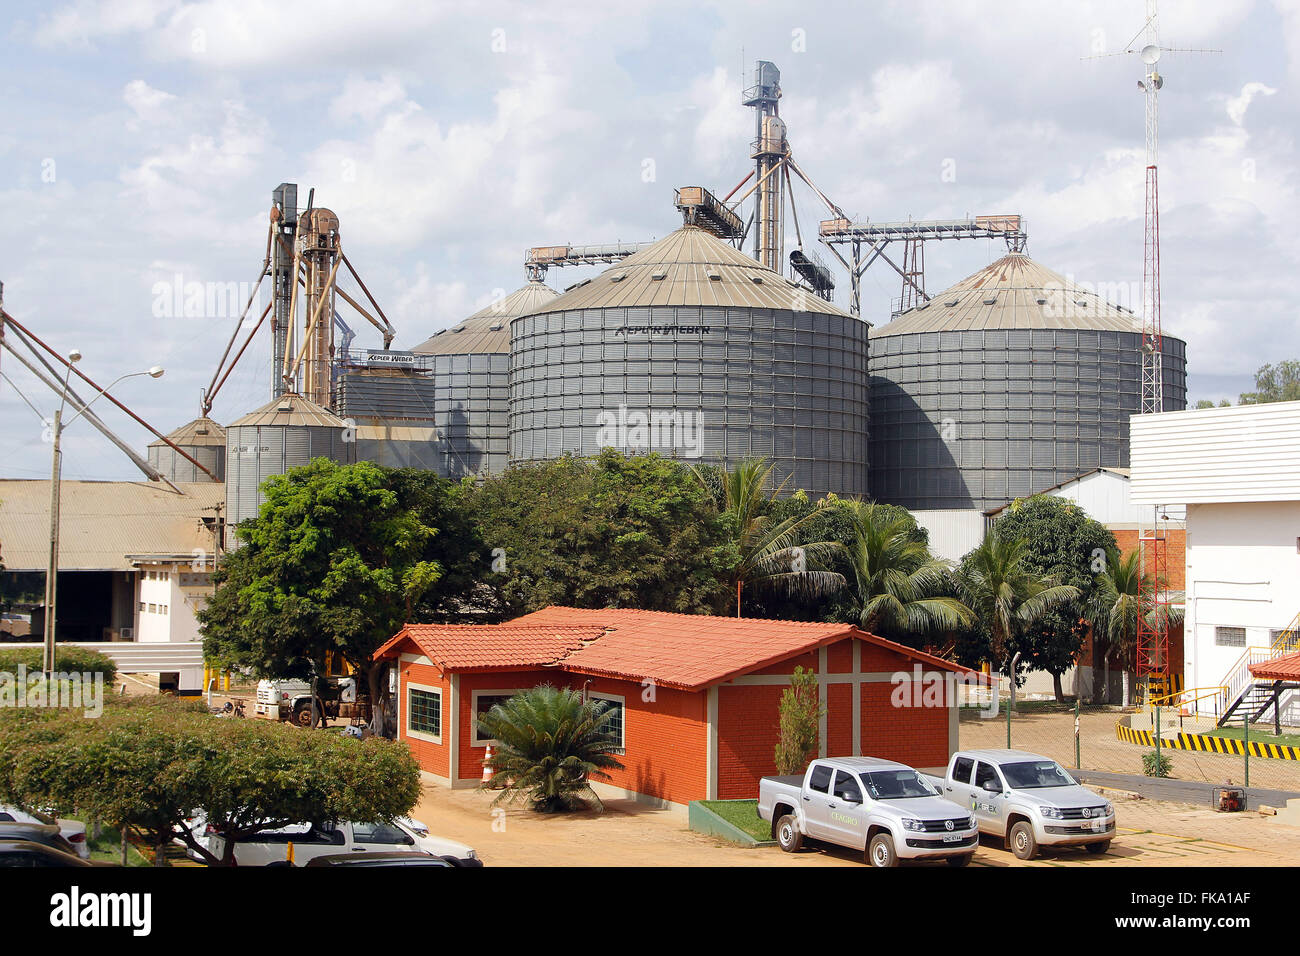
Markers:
point(1150, 54)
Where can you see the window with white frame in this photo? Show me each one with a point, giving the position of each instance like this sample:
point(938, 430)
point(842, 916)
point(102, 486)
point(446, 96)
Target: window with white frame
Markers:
point(1230, 636)
point(485, 700)
point(616, 725)
point(424, 713)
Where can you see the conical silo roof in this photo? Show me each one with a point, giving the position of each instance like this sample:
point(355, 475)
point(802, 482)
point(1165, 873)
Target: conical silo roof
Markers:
point(290, 409)
point(488, 329)
point(690, 267)
point(1015, 292)
point(201, 431)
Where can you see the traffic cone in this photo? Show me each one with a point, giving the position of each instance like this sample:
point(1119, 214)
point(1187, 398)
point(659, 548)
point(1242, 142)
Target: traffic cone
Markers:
point(487, 771)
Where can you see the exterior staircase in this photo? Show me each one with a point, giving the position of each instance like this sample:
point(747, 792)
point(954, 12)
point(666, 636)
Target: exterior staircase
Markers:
point(1247, 695)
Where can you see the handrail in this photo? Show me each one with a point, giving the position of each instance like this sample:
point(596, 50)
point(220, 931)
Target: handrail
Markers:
point(1168, 700)
point(1288, 639)
point(1238, 676)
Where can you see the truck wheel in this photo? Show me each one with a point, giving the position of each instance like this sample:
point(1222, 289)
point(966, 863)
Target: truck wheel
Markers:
point(788, 835)
point(1097, 849)
point(880, 851)
point(1023, 844)
point(962, 860)
point(302, 715)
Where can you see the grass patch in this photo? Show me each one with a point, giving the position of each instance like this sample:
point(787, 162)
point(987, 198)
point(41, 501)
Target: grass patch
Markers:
point(742, 814)
point(1260, 735)
point(108, 849)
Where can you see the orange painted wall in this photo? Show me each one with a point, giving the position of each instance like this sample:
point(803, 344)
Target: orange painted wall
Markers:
point(917, 736)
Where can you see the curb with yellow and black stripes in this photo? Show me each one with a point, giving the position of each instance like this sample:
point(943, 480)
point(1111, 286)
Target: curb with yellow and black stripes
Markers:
point(1208, 743)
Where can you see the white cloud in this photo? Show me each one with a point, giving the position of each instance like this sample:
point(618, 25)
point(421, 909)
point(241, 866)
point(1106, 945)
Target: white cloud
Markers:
point(1238, 105)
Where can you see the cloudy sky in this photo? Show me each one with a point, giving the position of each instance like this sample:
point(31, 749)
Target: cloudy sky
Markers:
point(142, 138)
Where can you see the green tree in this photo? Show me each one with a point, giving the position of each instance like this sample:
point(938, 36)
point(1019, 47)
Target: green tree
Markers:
point(996, 582)
point(1207, 403)
point(148, 763)
point(899, 587)
point(800, 719)
point(1067, 545)
point(552, 744)
point(334, 561)
point(610, 531)
point(1275, 383)
point(771, 553)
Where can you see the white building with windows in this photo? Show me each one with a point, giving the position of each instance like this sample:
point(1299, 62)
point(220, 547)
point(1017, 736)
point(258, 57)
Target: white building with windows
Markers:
point(1237, 470)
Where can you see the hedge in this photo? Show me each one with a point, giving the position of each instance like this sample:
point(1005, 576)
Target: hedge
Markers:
point(74, 660)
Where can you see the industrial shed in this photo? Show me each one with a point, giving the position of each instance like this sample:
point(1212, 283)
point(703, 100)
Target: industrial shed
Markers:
point(698, 696)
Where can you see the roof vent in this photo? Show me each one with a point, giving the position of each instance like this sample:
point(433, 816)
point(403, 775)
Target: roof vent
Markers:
point(657, 276)
point(757, 280)
point(459, 328)
point(285, 406)
point(1041, 300)
point(496, 328)
point(618, 277)
point(1081, 303)
point(577, 285)
point(991, 300)
point(714, 275)
point(925, 304)
point(950, 303)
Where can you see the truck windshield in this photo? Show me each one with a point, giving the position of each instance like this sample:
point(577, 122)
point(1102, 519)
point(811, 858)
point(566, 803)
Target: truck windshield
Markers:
point(896, 785)
point(1036, 774)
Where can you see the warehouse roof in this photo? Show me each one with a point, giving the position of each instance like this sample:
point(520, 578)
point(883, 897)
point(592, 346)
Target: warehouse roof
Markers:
point(201, 431)
point(689, 651)
point(102, 523)
point(690, 267)
point(1015, 292)
point(488, 329)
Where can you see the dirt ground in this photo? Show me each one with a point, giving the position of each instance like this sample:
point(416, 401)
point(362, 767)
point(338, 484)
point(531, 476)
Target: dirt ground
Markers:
point(1151, 833)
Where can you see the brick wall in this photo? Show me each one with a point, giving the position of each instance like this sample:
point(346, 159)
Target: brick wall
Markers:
point(431, 756)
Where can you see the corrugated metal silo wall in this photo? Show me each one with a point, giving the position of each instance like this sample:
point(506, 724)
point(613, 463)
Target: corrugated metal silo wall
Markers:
point(176, 467)
point(468, 397)
point(972, 419)
point(789, 386)
point(255, 453)
point(394, 400)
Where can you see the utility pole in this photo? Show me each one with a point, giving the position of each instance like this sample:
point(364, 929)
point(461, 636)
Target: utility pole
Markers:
point(52, 571)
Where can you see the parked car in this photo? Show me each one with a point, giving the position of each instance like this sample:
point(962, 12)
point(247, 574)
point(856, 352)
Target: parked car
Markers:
point(24, 854)
point(884, 808)
point(1027, 801)
point(74, 831)
point(310, 841)
point(384, 859)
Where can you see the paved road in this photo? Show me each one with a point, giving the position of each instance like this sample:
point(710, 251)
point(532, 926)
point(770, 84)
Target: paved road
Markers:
point(1180, 791)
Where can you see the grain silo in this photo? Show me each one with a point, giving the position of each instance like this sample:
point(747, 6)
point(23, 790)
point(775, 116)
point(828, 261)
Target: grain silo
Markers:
point(470, 363)
point(692, 349)
point(1011, 381)
point(203, 440)
point(286, 432)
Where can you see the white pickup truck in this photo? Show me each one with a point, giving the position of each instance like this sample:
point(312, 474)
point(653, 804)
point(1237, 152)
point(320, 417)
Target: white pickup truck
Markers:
point(886, 809)
point(272, 846)
point(1027, 801)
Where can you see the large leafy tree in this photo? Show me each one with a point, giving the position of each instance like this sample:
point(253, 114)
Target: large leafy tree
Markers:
point(772, 553)
point(899, 588)
point(552, 744)
point(609, 531)
point(1065, 544)
point(338, 559)
point(1275, 383)
point(996, 581)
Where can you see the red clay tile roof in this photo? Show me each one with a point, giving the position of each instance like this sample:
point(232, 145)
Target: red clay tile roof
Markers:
point(1286, 667)
point(689, 651)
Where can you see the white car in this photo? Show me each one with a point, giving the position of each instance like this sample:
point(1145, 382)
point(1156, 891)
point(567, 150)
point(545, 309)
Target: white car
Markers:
point(272, 846)
point(74, 831)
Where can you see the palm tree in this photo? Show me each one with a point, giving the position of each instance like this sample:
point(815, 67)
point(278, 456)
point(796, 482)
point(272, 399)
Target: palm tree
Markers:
point(770, 552)
point(1118, 603)
point(995, 582)
point(552, 743)
point(899, 583)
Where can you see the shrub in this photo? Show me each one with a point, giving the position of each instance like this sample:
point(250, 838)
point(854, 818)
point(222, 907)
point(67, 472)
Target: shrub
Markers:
point(1156, 764)
point(72, 660)
point(800, 717)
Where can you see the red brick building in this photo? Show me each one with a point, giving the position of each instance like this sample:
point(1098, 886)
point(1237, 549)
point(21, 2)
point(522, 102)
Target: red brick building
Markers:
point(697, 697)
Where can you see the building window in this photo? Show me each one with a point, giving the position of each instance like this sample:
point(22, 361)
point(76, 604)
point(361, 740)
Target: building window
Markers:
point(615, 725)
point(153, 608)
point(483, 702)
point(1230, 636)
point(143, 606)
point(424, 713)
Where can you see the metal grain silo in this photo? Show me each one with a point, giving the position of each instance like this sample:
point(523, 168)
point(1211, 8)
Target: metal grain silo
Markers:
point(1011, 381)
point(287, 432)
point(694, 350)
point(471, 383)
point(203, 440)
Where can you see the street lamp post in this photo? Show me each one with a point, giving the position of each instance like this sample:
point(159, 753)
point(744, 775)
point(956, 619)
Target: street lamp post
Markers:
point(56, 478)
